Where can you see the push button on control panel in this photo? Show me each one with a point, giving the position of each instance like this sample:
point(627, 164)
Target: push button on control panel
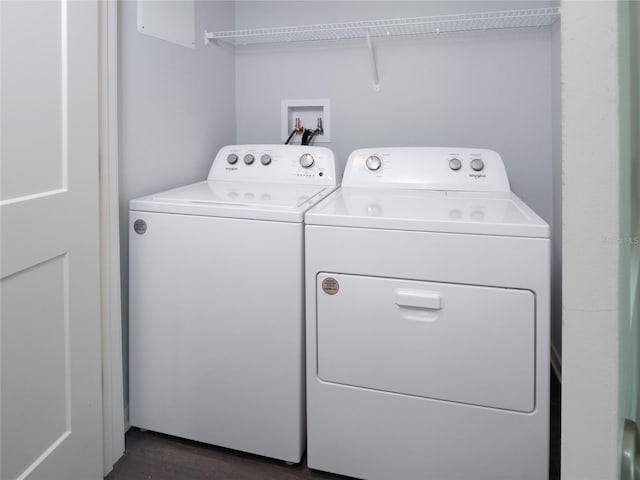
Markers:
point(477, 164)
point(265, 159)
point(455, 164)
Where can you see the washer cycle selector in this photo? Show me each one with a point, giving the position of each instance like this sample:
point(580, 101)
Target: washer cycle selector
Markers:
point(477, 164)
point(306, 160)
point(455, 164)
point(373, 163)
point(265, 159)
point(248, 159)
point(232, 158)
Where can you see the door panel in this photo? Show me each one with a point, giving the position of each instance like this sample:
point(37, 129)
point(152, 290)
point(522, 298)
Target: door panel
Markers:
point(35, 341)
point(50, 408)
point(459, 343)
point(33, 70)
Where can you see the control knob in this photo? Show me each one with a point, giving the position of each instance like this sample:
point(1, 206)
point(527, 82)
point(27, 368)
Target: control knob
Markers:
point(477, 164)
point(306, 160)
point(455, 164)
point(232, 158)
point(373, 163)
point(248, 159)
point(265, 159)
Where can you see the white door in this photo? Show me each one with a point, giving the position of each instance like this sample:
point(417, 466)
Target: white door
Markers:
point(51, 419)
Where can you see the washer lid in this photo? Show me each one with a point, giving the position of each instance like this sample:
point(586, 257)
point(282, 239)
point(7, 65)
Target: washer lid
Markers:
point(247, 200)
point(482, 213)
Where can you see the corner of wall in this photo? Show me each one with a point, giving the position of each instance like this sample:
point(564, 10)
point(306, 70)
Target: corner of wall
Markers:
point(556, 176)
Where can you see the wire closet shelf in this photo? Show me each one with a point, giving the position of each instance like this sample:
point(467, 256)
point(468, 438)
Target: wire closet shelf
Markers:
point(467, 22)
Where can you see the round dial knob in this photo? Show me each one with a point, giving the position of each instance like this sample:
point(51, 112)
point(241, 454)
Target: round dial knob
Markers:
point(248, 159)
point(477, 164)
point(306, 160)
point(232, 158)
point(373, 163)
point(455, 164)
point(265, 159)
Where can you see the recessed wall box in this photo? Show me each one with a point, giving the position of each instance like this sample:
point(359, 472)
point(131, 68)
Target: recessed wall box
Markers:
point(308, 111)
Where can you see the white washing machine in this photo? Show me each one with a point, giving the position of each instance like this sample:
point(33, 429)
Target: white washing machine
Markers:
point(427, 287)
point(216, 325)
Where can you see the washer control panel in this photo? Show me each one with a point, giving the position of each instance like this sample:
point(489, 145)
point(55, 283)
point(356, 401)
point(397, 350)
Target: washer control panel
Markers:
point(427, 168)
point(298, 164)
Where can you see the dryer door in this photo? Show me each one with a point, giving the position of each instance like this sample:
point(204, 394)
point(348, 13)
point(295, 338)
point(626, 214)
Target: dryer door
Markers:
point(459, 343)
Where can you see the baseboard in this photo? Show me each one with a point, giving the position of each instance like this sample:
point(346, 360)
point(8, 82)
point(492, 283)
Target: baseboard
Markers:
point(556, 363)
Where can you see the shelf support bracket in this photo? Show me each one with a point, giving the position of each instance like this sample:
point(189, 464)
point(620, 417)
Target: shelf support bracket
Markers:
point(208, 37)
point(372, 60)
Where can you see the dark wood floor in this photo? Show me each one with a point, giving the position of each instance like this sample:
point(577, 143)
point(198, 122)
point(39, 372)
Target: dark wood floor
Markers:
point(152, 456)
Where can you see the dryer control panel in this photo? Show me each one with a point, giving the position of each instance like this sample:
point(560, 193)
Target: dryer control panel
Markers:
point(427, 168)
point(299, 164)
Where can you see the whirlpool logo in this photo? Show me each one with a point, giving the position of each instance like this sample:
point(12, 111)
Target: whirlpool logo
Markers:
point(478, 175)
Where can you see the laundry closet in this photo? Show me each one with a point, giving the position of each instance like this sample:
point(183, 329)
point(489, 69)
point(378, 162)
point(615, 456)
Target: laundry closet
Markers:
point(246, 75)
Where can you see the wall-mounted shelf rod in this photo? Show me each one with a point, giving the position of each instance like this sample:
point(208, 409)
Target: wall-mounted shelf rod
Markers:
point(463, 22)
point(522, 18)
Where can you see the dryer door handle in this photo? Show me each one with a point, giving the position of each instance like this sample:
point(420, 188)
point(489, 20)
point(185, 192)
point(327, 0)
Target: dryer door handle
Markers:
point(424, 299)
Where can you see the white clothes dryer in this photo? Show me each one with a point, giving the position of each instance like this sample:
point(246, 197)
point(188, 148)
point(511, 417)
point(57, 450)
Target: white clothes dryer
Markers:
point(216, 326)
point(427, 287)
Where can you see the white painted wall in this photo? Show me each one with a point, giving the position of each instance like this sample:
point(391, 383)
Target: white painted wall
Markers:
point(590, 129)
point(490, 89)
point(176, 109)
